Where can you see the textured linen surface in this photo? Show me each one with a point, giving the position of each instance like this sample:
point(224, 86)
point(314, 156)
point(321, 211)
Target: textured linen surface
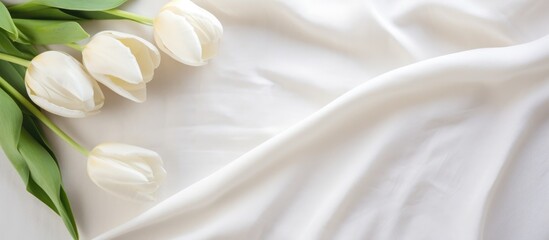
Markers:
point(347, 119)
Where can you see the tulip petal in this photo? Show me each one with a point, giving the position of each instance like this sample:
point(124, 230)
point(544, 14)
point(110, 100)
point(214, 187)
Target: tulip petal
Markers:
point(146, 54)
point(126, 170)
point(99, 98)
point(122, 62)
point(58, 110)
point(107, 167)
point(176, 36)
point(134, 92)
point(106, 56)
point(209, 50)
point(147, 58)
point(70, 93)
point(206, 26)
point(73, 82)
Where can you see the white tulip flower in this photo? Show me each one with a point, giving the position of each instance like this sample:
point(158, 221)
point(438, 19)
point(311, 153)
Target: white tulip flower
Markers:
point(58, 83)
point(187, 32)
point(126, 171)
point(122, 62)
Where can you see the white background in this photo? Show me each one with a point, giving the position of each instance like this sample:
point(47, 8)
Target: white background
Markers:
point(281, 61)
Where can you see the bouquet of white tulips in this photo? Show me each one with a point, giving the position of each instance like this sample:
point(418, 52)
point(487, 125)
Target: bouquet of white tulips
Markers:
point(60, 84)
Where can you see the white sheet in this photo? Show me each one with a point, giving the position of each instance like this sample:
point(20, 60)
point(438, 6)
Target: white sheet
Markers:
point(344, 119)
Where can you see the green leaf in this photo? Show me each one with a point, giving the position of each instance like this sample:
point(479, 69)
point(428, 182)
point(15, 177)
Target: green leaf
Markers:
point(85, 5)
point(14, 74)
point(45, 172)
point(24, 143)
point(34, 163)
point(31, 10)
point(50, 31)
point(6, 22)
point(92, 15)
point(10, 130)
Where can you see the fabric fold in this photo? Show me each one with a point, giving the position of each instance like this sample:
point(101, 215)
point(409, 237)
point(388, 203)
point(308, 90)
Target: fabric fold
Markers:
point(412, 154)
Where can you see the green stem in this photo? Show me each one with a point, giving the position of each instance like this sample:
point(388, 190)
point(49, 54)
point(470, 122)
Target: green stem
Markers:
point(75, 46)
point(130, 16)
point(14, 59)
point(43, 118)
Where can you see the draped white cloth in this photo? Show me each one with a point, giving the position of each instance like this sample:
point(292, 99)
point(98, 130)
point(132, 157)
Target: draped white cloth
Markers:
point(348, 119)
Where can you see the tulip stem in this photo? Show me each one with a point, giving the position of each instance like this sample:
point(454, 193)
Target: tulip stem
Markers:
point(130, 16)
point(43, 118)
point(75, 46)
point(14, 59)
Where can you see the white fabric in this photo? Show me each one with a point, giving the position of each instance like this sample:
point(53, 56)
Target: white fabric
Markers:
point(346, 119)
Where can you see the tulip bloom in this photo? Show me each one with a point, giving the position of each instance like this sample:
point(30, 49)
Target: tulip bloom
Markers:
point(126, 170)
point(187, 33)
point(122, 62)
point(58, 84)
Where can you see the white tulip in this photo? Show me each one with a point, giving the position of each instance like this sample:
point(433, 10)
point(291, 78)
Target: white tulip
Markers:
point(187, 32)
point(125, 170)
point(122, 62)
point(58, 83)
